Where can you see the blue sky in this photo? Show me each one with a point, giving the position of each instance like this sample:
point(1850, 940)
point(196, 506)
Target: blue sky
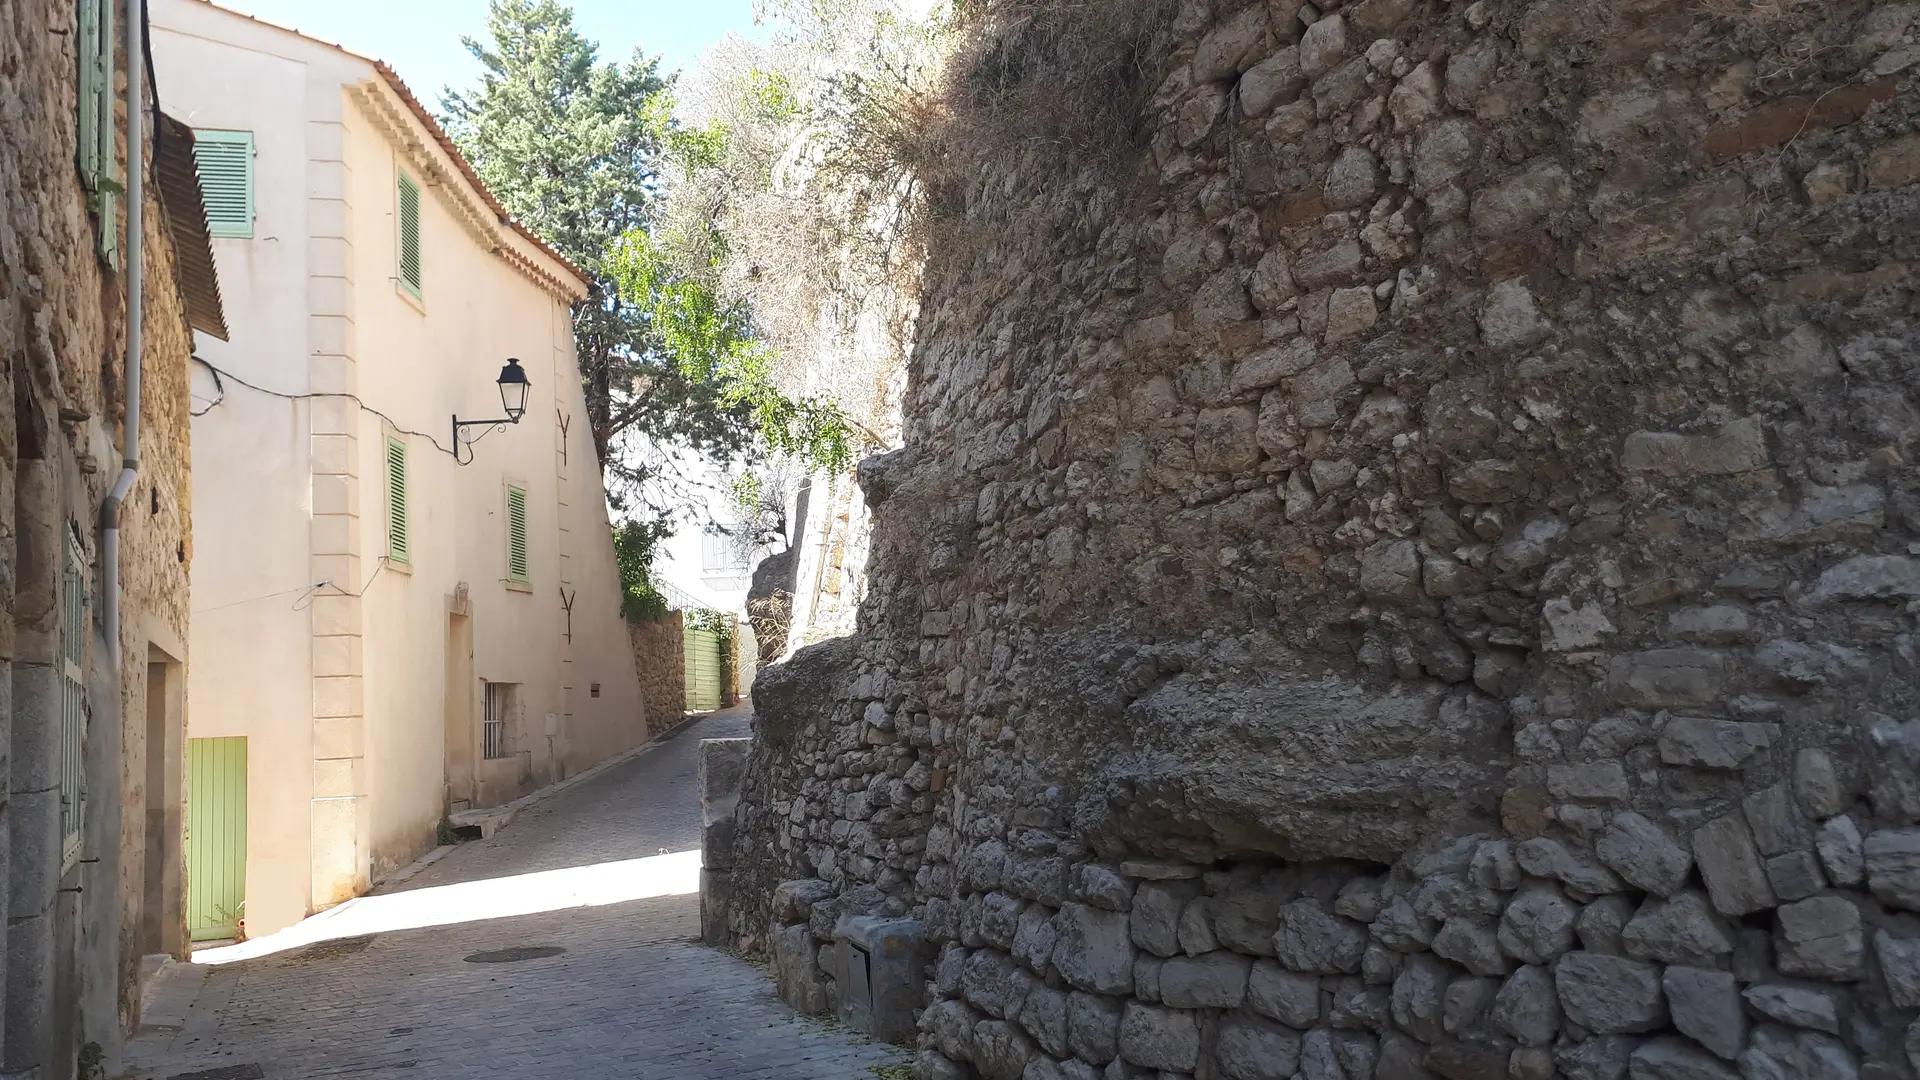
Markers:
point(421, 38)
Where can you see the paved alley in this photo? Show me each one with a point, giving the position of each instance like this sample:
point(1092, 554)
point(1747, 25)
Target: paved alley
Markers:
point(631, 994)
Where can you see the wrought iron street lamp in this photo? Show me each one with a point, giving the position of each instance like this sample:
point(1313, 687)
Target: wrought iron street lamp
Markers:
point(513, 397)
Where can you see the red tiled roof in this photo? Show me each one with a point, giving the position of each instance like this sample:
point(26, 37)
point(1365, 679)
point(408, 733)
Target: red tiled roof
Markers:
point(439, 135)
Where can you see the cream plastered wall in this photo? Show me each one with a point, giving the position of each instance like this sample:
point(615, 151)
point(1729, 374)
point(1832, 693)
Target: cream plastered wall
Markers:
point(249, 635)
point(354, 742)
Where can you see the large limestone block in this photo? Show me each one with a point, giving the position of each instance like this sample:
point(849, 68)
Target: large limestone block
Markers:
point(1159, 1038)
point(1301, 768)
point(1608, 994)
point(801, 983)
point(1248, 1048)
point(1217, 980)
point(1893, 867)
point(1093, 950)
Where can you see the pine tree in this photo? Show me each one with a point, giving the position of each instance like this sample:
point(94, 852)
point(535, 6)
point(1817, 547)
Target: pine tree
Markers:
point(571, 147)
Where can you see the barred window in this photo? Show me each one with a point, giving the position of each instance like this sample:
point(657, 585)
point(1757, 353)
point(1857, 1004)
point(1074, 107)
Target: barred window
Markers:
point(498, 708)
point(73, 700)
point(723, 549)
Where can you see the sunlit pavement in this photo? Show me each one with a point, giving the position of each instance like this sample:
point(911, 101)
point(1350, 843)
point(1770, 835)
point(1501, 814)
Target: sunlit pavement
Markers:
point(591, 899)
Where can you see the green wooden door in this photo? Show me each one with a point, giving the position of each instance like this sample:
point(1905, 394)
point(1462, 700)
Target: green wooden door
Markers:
point(703, 670)
point(216, 837)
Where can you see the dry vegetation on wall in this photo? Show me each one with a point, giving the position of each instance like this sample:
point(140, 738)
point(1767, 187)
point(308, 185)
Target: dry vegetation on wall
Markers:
point(781, 202)
point(1070, 75)
point(833, 166)
point(1050, 84)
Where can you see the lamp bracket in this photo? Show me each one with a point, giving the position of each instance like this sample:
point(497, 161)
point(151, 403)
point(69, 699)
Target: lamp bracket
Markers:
point(459, 440)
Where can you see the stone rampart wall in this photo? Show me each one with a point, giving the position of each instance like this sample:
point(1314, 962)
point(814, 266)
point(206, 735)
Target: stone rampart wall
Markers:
point(1412, 572)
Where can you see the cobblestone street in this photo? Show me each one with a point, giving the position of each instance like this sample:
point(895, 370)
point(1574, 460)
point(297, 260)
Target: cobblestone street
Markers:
point(633, 995)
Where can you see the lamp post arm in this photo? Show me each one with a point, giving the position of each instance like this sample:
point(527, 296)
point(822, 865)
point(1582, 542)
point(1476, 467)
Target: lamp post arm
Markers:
point(459, 424)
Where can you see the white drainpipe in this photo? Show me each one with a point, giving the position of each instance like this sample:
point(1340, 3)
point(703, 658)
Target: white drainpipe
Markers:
point(136, 285)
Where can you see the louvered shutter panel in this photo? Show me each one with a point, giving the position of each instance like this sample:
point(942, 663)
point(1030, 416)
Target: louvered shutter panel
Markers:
point(397, 549)
point(90, 97)
point(517, 535)
point(225, 160)
point(97, 145)
point(410, 235)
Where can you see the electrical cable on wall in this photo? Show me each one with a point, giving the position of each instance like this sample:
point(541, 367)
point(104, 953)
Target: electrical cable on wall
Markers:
point(304, 600)
point(263, 596)
point(220, 379)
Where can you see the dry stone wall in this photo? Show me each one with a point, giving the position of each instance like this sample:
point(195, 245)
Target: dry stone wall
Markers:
point(76, 929)
point(659, 655)
point(1410, 571)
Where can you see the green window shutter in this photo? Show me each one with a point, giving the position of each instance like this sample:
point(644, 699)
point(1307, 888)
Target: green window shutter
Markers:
point(410, 235)
point(97, 145)
point(225, 161)
point(397, 548)
point(517, 536)
point(90, 96)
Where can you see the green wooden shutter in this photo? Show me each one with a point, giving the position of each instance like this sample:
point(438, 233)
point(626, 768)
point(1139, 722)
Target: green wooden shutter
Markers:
point(91, 78)
point(397, 549)
point(702, 650)
point(216, 837)
point(97, 145)
point(225, 160)
point(410, 235)
point(517, 535)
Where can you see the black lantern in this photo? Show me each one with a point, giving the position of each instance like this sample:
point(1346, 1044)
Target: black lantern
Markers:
point(513, 397)
point(513, 390)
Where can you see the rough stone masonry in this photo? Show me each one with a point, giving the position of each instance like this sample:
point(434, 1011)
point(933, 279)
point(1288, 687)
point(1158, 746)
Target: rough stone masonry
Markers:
point(1412, 573)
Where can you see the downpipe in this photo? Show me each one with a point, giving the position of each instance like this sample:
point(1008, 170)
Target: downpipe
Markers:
point(136, 296)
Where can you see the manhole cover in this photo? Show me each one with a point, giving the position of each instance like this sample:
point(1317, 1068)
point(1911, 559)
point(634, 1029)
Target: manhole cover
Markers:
point(227, 1072)
point(515, 955)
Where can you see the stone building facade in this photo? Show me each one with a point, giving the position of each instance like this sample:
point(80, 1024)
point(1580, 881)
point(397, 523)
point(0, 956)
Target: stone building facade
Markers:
point(90, 812)
point(403, 623)
point(1408, 567)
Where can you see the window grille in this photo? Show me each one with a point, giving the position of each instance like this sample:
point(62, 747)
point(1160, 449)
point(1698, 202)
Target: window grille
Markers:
point(493, 724)
point(73, 701)
point(723, 549)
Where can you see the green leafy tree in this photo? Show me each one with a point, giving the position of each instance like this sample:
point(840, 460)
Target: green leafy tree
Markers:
point(571, 146)
point(574, 148)
point(634, 544)
point(712, 342)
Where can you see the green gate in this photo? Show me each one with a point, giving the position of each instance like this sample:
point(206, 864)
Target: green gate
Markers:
point(216, 837)
point(703, 670)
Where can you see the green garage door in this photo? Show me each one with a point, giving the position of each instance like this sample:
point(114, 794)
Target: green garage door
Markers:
point(216, 837)
point(703, 670)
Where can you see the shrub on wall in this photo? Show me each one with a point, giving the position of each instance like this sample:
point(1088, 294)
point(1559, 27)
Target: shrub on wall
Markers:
point(633, 548)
